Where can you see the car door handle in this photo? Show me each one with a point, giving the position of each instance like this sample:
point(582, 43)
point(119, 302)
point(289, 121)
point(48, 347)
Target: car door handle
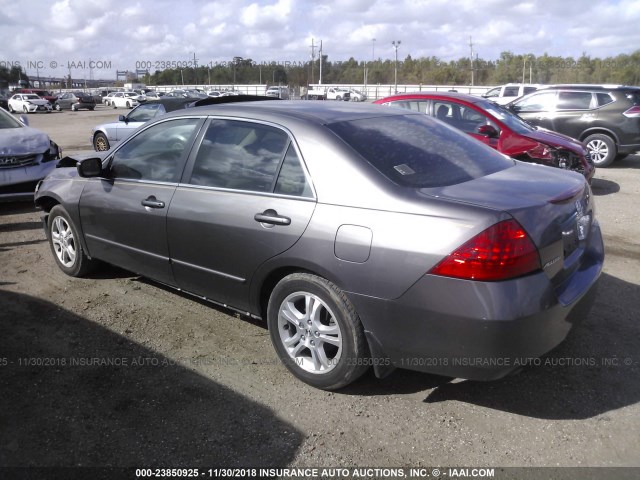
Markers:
point(152, 202)
point(271, 217)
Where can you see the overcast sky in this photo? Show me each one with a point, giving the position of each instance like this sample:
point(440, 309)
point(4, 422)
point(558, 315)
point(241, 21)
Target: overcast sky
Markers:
point(120, 35)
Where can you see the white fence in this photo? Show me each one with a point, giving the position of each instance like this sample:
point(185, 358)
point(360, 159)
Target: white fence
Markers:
point(373, 92)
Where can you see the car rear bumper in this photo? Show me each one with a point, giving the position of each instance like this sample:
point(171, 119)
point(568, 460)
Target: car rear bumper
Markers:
point(478, 330)
point(633, 148)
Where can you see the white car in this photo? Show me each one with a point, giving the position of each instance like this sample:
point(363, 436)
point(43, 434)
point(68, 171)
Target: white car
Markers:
point(357, 95)
point(28, 103)
point(279, 92)
point(124, 100)
point(107, 100)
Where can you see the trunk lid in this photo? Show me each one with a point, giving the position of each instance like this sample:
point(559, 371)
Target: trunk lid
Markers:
point(554, 206)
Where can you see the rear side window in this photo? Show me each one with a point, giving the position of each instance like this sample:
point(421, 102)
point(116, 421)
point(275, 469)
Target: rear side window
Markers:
point(415, 105)
point(574, 100)
point(415, 151)
point(511, 91)
point(603, 99)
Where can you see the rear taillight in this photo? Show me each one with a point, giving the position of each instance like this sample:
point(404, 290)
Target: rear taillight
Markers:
point(500, 252)
point(633, 112)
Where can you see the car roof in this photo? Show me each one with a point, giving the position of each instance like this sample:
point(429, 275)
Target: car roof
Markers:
point(575, 86)
point(315, 112)
point(435, 94)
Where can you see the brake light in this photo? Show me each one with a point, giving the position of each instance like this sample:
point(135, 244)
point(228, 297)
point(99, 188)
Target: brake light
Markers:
point(633, 112)
point(500, 252)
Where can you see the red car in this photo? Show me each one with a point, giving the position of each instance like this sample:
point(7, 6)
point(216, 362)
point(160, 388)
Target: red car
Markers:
point(499, 128)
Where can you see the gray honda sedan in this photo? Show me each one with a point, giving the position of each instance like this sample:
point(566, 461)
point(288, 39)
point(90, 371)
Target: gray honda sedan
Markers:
point(364, 237)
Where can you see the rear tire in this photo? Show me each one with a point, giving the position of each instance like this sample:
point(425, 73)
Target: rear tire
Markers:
point(65, 244)
point(602, 149)
point(316, 331)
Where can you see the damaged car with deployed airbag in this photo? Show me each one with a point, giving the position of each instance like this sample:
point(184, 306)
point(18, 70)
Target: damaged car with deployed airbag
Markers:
point(27, 156)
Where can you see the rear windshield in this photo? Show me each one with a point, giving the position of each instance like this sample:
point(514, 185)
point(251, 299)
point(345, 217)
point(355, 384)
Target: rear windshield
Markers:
point(416, 151)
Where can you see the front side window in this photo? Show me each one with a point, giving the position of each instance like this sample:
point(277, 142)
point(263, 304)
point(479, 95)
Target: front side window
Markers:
point(511, 91)
point(537, 102)
point(239, 155)
point(494, 92)
point(157, 153)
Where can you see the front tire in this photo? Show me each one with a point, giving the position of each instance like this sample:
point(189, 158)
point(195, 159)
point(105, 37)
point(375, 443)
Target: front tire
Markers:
point(316, 331)
point(602, 149)
point(101, 143)
point(65, 244)
point(58, 107)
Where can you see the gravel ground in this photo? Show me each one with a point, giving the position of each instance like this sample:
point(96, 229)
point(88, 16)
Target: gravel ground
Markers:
point(115, 370)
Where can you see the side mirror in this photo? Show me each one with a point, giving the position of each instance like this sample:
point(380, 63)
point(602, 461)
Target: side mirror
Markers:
point(90, 167)
point(513, 108)
point(24, 120)
point(122, 118)
point(488, 130)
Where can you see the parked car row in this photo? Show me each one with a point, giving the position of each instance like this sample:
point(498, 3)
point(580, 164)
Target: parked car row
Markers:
point(498, 128)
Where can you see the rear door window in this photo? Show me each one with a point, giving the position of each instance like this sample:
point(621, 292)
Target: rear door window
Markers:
point(574, 100)
point(421, 106)
point(239, 155)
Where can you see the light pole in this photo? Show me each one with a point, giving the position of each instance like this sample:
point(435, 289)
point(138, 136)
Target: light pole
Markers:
point(396, 44)
point(373, 58)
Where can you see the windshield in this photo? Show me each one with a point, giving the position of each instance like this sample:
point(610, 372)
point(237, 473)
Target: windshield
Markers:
point(510, 119)
point(31, 96)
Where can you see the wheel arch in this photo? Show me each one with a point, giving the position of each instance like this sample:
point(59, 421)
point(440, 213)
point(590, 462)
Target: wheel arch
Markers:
point(266, 279)
point(599, 131)
point(46, 204)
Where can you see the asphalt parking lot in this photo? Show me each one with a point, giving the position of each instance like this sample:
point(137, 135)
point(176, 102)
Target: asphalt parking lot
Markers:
point(116, 370)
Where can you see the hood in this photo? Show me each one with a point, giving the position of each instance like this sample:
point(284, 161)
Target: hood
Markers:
point(556, 139)
point(39, 101)
point(23, 141)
